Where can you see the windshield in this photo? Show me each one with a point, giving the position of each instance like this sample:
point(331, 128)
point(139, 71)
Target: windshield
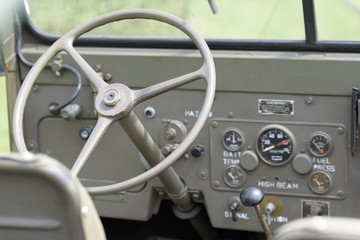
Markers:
point(245, 19)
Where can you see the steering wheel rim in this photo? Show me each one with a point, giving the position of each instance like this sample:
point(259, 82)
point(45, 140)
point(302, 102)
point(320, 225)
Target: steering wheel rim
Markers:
point(65, 43)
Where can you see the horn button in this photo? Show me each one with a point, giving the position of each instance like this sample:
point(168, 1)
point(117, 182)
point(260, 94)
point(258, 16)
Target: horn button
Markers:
point(114, 100)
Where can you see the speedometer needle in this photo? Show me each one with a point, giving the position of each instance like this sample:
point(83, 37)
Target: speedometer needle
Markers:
point(269, 148)
point(279, 144)
point(283, 142)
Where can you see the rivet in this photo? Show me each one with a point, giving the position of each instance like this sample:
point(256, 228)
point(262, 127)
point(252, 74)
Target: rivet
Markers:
point(309, 100)
point(216, 184)
point(203, 174)
point(195, 196)
point(35, 88)
point(340, 130)
point(340, 193)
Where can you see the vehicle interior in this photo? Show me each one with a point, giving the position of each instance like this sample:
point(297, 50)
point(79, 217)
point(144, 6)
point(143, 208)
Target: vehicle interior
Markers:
point(218, 119)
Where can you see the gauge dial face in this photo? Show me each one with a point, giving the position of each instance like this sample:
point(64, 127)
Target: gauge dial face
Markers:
point(233, 139)
point(320, 144)
point(233, 176)
point(275, 145)
point(320, 182)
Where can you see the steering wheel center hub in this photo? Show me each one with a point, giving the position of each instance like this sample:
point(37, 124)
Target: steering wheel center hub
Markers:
point(111, 97)
point(114, 100)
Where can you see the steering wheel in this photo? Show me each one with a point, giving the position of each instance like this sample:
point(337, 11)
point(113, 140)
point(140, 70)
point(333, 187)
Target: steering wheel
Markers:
point(114, 102)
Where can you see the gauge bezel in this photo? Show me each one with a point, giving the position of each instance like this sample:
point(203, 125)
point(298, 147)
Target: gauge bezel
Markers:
point(281, 128)
point(243, 177)
point(323, 134)
point(316, 191)
point(235, 130)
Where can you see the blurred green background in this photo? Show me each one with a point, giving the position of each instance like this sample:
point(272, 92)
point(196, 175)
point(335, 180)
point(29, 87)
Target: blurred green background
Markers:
point(4, 125)
point(245, 19)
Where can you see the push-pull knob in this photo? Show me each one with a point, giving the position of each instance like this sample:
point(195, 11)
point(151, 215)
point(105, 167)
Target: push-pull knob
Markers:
point(251, 197)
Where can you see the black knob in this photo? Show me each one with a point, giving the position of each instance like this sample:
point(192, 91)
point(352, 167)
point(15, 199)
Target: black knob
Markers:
point(197, 151)
point(251, 196)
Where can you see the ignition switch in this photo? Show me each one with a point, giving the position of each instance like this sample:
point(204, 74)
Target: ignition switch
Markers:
point(269, 209)
point(272, 206)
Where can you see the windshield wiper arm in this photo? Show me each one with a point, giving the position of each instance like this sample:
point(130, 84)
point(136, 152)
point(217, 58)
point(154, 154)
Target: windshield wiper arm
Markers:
point(213, 6)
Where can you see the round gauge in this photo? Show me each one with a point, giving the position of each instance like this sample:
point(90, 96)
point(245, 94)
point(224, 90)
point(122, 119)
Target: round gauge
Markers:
point(233, 176)
point(320, 144)
point(275, 145)
point(320, 182)
point(232, 139)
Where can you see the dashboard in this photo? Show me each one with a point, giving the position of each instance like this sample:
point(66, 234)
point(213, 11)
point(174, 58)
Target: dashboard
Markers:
point(280, 121)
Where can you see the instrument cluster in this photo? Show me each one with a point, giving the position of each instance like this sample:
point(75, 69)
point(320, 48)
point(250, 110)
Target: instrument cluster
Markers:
point(292, 159)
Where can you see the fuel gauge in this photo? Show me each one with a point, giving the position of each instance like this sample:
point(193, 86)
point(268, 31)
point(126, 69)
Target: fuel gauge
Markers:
point(320, 144)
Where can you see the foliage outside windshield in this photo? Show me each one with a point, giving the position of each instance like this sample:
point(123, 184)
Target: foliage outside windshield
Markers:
point(4, 126)
point(338, 19)
point(236, 19)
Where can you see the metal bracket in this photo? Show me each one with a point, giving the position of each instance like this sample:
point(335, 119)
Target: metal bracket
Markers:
point(355, 119)
point(196, 195)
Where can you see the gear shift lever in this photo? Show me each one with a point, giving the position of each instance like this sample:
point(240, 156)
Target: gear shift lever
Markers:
point(251, 197)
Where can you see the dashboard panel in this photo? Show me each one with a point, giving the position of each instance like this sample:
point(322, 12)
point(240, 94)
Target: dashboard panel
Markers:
point(280, 121)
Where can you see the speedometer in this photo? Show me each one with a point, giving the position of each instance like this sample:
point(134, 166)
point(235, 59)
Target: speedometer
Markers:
point(275, 145)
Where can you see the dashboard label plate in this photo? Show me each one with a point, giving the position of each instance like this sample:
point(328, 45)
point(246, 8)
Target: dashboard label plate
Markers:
point(276, 107)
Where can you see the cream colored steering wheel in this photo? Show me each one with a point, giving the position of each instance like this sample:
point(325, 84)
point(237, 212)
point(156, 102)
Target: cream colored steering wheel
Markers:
point(114, 102)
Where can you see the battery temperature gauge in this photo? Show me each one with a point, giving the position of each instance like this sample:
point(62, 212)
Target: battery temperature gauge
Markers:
point(233, 139)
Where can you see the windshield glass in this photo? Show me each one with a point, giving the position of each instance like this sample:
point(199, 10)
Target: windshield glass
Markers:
point(338, 19)
point(236, 19)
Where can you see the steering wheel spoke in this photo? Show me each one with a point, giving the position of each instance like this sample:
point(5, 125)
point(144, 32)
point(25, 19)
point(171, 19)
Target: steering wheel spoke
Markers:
point(98, 132)
point(90, 73)
point(157, 89)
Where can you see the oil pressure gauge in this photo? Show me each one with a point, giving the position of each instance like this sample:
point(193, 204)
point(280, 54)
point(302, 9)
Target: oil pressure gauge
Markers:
point(320, 182)
point(275, 145)
point(320, 144)
point(233, 139)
